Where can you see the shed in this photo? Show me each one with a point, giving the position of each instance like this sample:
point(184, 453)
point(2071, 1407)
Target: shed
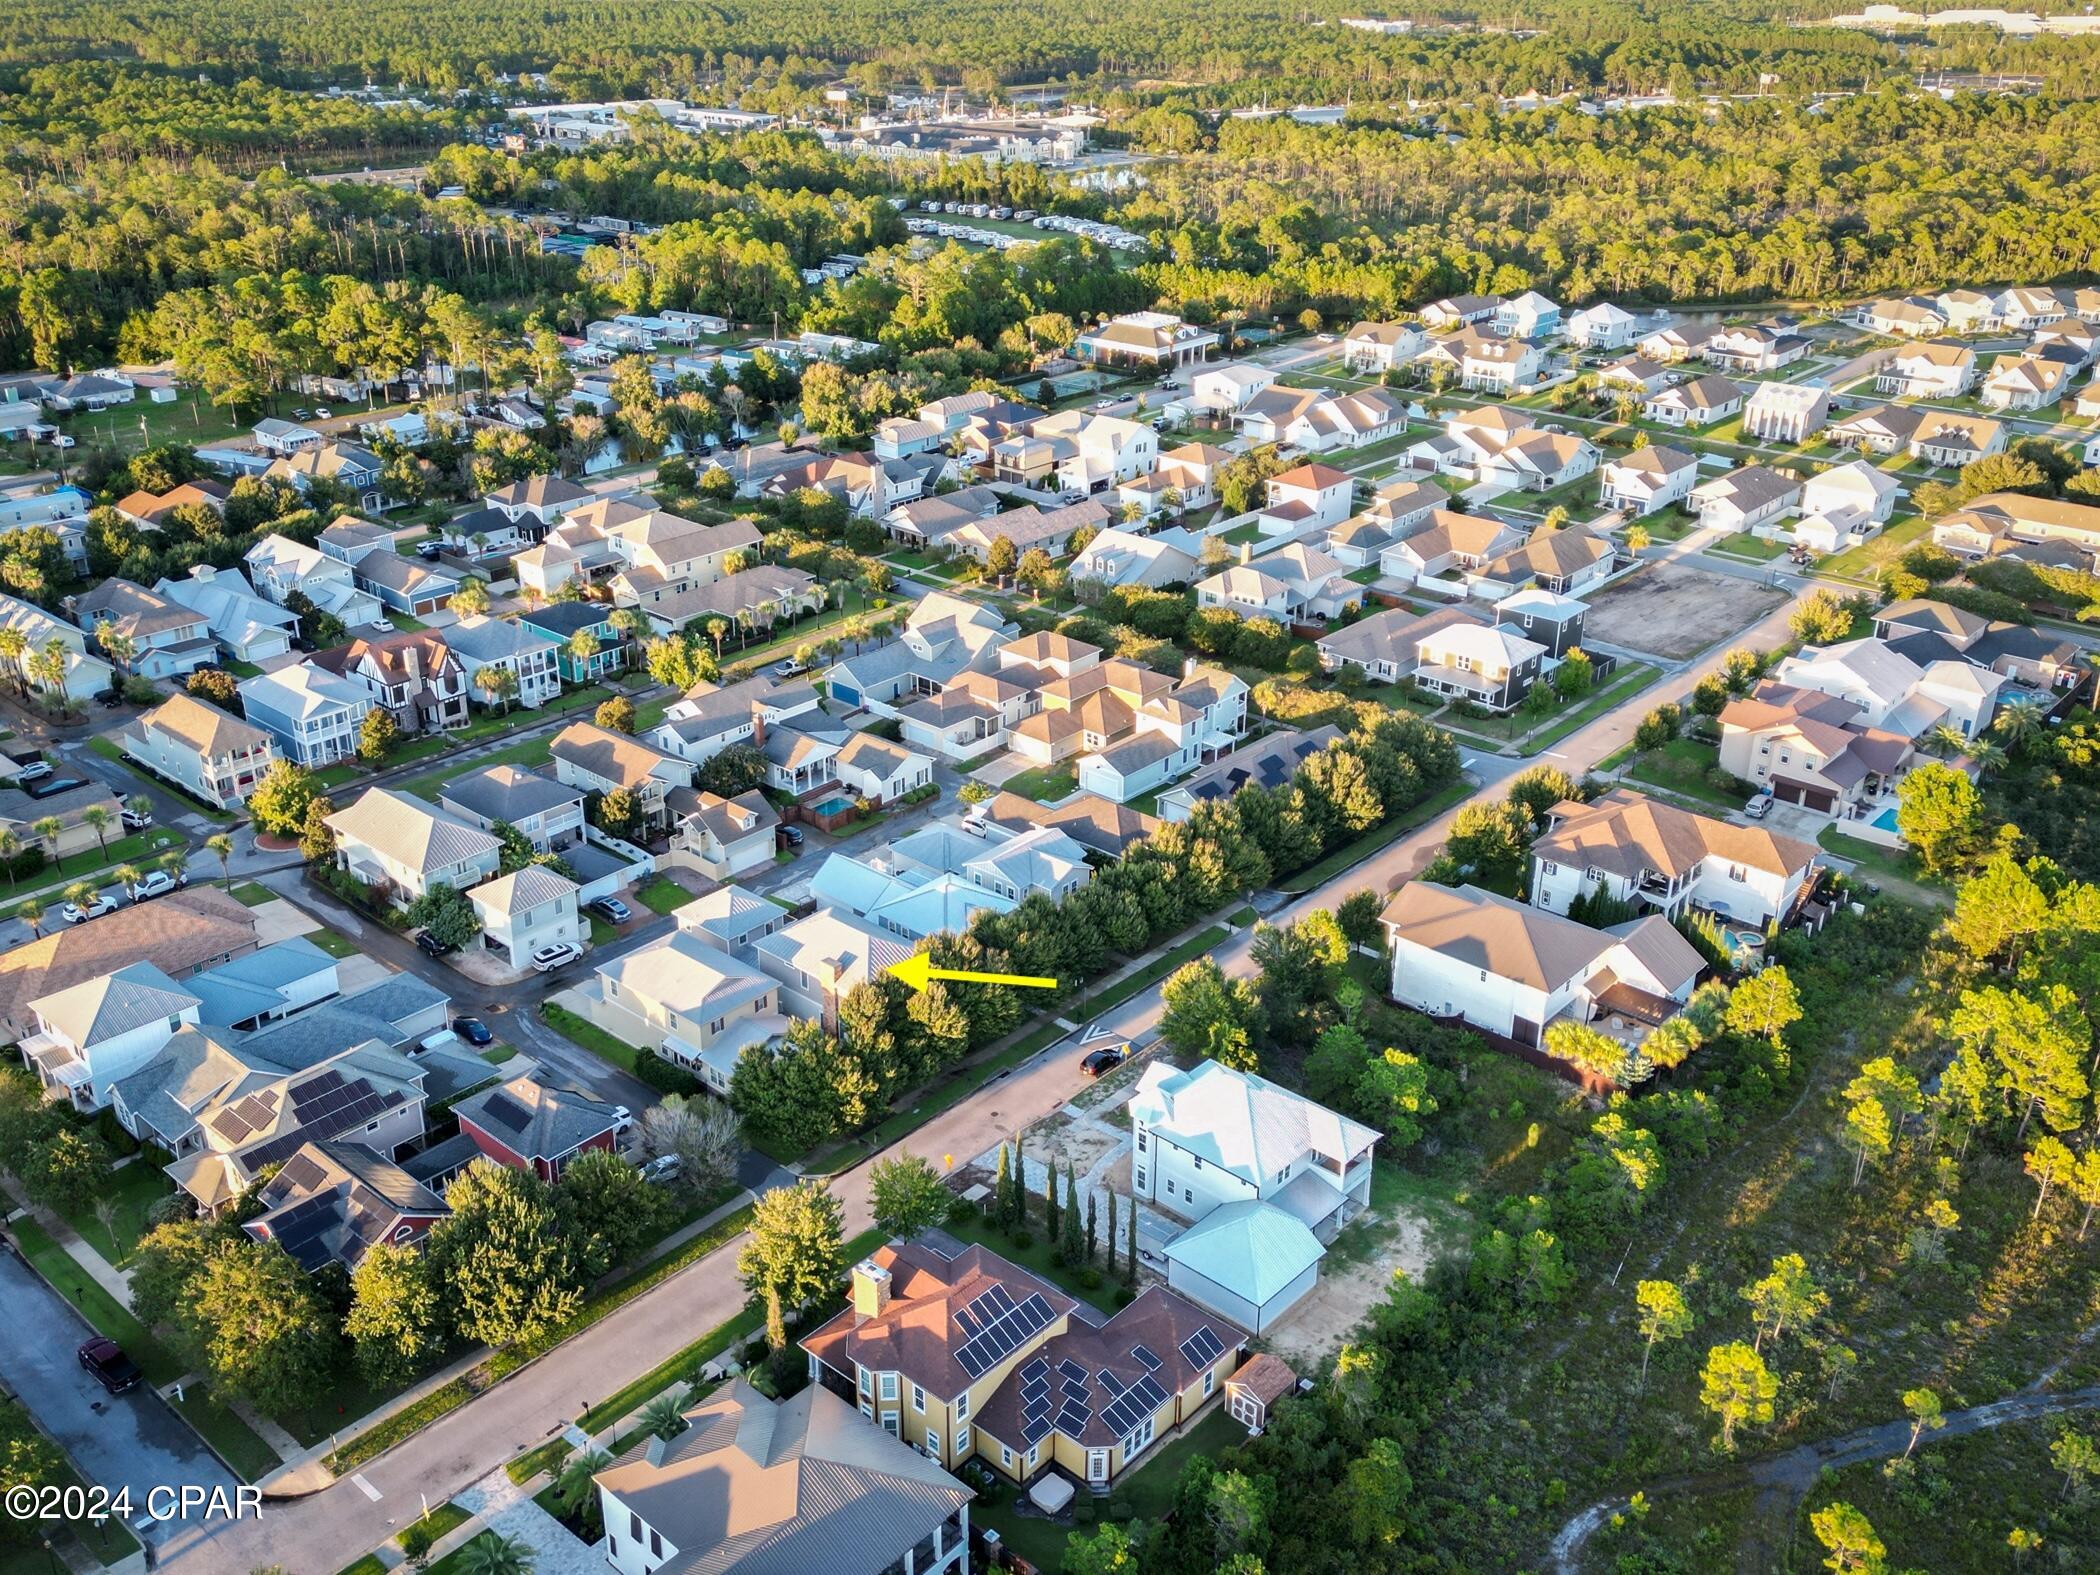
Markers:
point(1250, 1392)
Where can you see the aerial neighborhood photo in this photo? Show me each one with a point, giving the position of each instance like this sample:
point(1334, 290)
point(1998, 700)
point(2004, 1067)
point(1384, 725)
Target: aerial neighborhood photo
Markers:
point(803, 788)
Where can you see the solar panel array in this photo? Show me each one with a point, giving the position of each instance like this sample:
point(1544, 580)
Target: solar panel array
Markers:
point(1072, 1420)
point(1109, 1381)
point(1202, 1348)
point(1035, 1400)
point(321, 1109)
point(506, 1111)
point(1072, 1372)
point(1144, 1354)
point(1136, 1403)
point(996, 1325)
point(303, 1228)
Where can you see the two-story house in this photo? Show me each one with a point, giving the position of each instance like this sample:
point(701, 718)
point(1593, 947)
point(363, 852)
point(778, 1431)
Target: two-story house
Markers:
point(538, 503)
point(278, 567)
point(1936, 369)
point(689, 1001)
point(822, 958)
point(1786, 412)
point(1492, 666)
point(351, 466)
point(92, 1035)
point(331, 1203)
point(1263, 1175)
point(1372, 349)
point(526, 911)
point(481, 644)
point(1645, 480)
point(164, 638)
point(216, 757)
point(727, 837)
point(1655, 856)
point(403, 846)
point(1813, 750)
point(246, 627)
point(635, 548)
point(581, 637)
point(546, 813)
point(529, 1125)
point(1295, 584)
point(313, 716)
point(413, 674)
point(596, 760)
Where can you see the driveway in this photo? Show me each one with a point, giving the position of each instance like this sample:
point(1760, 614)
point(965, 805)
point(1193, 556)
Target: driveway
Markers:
point(127, 1441)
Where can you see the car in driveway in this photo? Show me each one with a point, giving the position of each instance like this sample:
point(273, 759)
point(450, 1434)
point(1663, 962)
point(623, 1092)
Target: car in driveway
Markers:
point(623, 1118)
point(1104, 1060)
point(111, 1368)
point(663, 1169)
point(1759, 807)
point(35, 771)
point(156, 883)
point(473, 1030)
point(430, 946)
point(549, 958)
point(136, 819)
point(93, 908)
point(611, 909)
point(791, 835)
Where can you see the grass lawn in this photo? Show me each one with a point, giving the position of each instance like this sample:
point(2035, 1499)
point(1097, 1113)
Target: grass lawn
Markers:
point(134, 1189)
point(662, 895)
point(250, 894)
point(602, 934)
point(107, 1541)
point(403, 622)
point(1239, 535)
point(591, 1037)
point(1681, 766)
point(1630, 681)
point(410, 750)
point(1892, 868)
point(334, 942)
point(340, 774)
point(184, 419)
point(1669, 526)
point(1866, 562)
point(92, 864)
point(491, 723)
point(529, 754)
point(1743, 544)
point(1043, 784)
point(370, 1564)
point(1039, 1255)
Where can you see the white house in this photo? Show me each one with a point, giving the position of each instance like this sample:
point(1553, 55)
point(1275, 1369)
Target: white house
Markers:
point(1263, 1175)
point(1936, 369)
point(91, 1036)
point(1746, 498)
point(1371, 349)
point(822, 958)
point(1510, 970)
point(210, 754)
point(1291, 585)
point(1603, 327)
point(1306, 498)
point(1845, 505)
point(1786, 412)
point(1889, 691)
point(313, 715)
point(247, 628)
point(274, 436)
point(880, 771)
point(1224, 390)
point(404, 846)
point(1644, 480)
point(481, 642)
point(1698, 403)
point(526, 910)
point(2024, 382)
point(1655, 856)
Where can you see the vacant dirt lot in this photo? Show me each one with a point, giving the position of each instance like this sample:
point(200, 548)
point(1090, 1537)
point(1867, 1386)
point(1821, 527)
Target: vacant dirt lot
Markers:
point(1674, 611)
point(1351, 1282)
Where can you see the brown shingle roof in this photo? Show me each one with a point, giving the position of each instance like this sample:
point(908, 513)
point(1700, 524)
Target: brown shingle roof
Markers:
point(180, 932)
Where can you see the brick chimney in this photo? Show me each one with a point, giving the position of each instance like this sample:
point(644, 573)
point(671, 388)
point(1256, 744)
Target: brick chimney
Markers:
point(871, 1290)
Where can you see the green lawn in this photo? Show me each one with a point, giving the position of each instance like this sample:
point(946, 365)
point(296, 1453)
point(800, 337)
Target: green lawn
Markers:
point(403, 622)
point(491, 723)
point(1680, 767)
point(1039, 1255)
point(1240, 535)
point(93, 864)
point(529, 754)
point(1044, 784)
point(251, 894)
point(1867, 561)
point(662, 895)
point(339, 774)
point(1744, 545)
point(1629, 682)
point(134, 1190)
point(184, 419)
point(334, 942)
point(590, 1036)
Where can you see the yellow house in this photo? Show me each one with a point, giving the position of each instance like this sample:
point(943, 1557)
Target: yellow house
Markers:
point(974, 1356)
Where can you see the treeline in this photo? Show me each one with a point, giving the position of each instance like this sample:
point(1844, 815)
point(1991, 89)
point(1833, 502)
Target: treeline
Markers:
point(1886, 192)
point(889, 1040)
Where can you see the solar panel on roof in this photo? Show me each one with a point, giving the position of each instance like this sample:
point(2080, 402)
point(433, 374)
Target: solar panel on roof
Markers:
point(1144, 1354)
point(1072, 1419)
point(1035, 1367)
point(1109, 1381)
point(1201, 1348)
point(969, 1361)
point(1033, 1428)
point(1005, 1326)
point(1072, 1370)
point(501, 1107)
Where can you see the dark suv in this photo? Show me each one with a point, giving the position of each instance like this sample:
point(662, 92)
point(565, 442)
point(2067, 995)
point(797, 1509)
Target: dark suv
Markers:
point(113, 1370)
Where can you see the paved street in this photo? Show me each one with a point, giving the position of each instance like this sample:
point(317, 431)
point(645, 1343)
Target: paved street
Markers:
point(119, 1441)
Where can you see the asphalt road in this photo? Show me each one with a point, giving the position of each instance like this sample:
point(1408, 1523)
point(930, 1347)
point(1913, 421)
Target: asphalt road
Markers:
point(129, 1441)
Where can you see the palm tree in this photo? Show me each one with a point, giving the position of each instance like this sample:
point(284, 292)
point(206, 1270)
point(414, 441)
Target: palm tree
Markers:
point(174, 862)
point(1986, 756)
point(492, 1553)
point(80, 893)
point(716, 628)
point(97, 820)
point(10, 850)
point(2019, 719)
point(48, 828)
point(1946, 741)
point(574, 1483)
point(128, 876)
point(498, 683)
point(119, 648)
point(48, 667)
point(222, 845)
point(662, 1417)
point(14, 646)
point(139, 804)
point(31, 913)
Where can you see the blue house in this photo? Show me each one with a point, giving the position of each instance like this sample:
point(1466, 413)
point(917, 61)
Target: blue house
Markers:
point(558, 622)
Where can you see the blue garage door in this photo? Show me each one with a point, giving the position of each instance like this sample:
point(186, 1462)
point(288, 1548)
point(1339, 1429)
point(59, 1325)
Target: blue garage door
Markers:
point(845, 694)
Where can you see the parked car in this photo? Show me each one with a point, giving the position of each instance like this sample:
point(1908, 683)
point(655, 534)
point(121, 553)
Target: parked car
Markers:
point(473, 1030)
point(35, 771)
point(300, 413)
point(791, 835)
point(623, 1118)
point(611, 909)
point(1104, 1060)
point(96, 906)
point(154, 883)
point(789, 669)
point(322, 413)
point(136, 819)
point(549, 958)
point(111, 698)
point(113, 1370)
point(1759, 807)
point(663, 1169)
point(61, 440)
point(430, 946)
point(430, 551)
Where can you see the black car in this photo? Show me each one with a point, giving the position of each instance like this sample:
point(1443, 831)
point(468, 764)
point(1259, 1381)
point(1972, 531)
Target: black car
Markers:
point(113, 1370)
point(473, 1030)
point(430, 946)
point(1103, 1061)
point(111, 698)
point(791, 835)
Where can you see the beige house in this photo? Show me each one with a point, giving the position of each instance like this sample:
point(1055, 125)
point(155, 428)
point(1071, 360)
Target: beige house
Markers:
point(217, 757)
point(526, 910)
point(404, 846)
point(691, 1002)
point(724, 837)
point(598, 761)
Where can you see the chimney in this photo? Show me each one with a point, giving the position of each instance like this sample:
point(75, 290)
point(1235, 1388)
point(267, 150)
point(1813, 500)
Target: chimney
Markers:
point(871, 1289)
point(1246, 552)
point(1188, 667)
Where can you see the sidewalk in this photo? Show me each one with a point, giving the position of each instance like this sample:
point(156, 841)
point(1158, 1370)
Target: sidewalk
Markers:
point(91, 1262)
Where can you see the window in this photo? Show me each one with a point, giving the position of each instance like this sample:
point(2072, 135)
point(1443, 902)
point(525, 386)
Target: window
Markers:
point(933, 1443)
point(889, 1386)
point(634, 1525)
point(962, 1442)
point(889, 1423)
point(1141, 1139)
point(1006, 1457)
point(1033, 1451)
point(1210, 1381)
point(918, 1398)
point(1139, 1180)
point(656, 1546)
point(962, 1407)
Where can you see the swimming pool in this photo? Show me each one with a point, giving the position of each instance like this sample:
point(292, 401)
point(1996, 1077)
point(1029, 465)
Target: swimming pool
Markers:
point(1886, 820)
point(835, 805)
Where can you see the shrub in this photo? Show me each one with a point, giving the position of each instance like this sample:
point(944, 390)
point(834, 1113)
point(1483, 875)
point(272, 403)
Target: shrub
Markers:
point(1083, 1512)
point(961, 1211)
point(1724, 781)
point(1090, 1278)
point(1023, 1240)
point(1124, 1296)
point(1118, 1507)
point(663, 1076)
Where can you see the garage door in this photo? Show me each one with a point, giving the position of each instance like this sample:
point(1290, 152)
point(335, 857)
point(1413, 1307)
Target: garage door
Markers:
point(845, 694)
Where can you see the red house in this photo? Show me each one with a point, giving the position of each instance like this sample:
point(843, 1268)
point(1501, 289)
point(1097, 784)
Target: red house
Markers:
point(529, 1126)
point(332, 1202)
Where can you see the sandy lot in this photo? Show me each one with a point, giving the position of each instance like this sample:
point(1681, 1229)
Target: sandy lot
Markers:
point(1315, 1329)
point(1674, 611)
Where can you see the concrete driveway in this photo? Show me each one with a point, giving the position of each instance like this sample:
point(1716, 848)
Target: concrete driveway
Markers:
point(127, 1441)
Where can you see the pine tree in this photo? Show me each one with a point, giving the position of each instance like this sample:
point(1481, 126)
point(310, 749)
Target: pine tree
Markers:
point(1050, 1200)
point(1000, 1186)
point(1111, 1235)
point(1130, 1252)
point(1093, 1241)
point(1069, 1245)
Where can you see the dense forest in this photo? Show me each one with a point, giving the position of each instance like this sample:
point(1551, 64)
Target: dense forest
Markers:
point(1231, 51)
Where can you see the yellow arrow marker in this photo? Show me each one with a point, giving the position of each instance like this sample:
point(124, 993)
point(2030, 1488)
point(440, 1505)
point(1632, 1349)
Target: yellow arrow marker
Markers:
point(917, 969)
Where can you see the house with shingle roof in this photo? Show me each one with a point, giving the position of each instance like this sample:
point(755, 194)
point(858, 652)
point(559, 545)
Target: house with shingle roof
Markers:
point(403, 584)
point(1746, 498)
point(686, 998)
point(527, 1125)
point(1566, 562)
point(1510, 970)
point(149, 510)
point(1370, 349)
point(1385, 645)
point(2024, 382)
point(1645, 480)
point(738, 598)
point(754, 1486)
point(1698, 403)
point(1103, 827)
point(547, 813)
point(597, 760)
point(209, 753)
point(1451, 541)
point(879, 770)
point(1812, 749)
point(726, 837)
point(167, 638)
point(1936, 369)
point(970, 1356)
point(1294, 584)
point(1602, 327)
point(413, 673)
point(403, 846)
point(1271, 761)
point(1655, 856)
point(332, 1203)
point(279, 566)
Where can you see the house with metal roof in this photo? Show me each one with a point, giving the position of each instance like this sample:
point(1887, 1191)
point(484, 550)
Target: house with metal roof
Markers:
point(688, 1000)
point(248, 628)
point(527, 910)
point(732, 918)
point(331, 1203)
point(819, 960)
point(207, 752)
point(754, 1486)
point(266, 985)
point(527, 1125)
point(481, 643)
point(91, 1035)
point(313, 716)
point(404, 846)
point(1250, 1261)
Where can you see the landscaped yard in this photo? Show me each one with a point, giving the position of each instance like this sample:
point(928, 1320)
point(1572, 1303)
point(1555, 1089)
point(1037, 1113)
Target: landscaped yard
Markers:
point(530, 754)
point(1866, 562)
point(1045, 785)
point(132, 1191)
point(1744, 545)
point(250, 894)
point(590, 1037)
point(1680, 767)
point(1040, 1256)
point(662, 895)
